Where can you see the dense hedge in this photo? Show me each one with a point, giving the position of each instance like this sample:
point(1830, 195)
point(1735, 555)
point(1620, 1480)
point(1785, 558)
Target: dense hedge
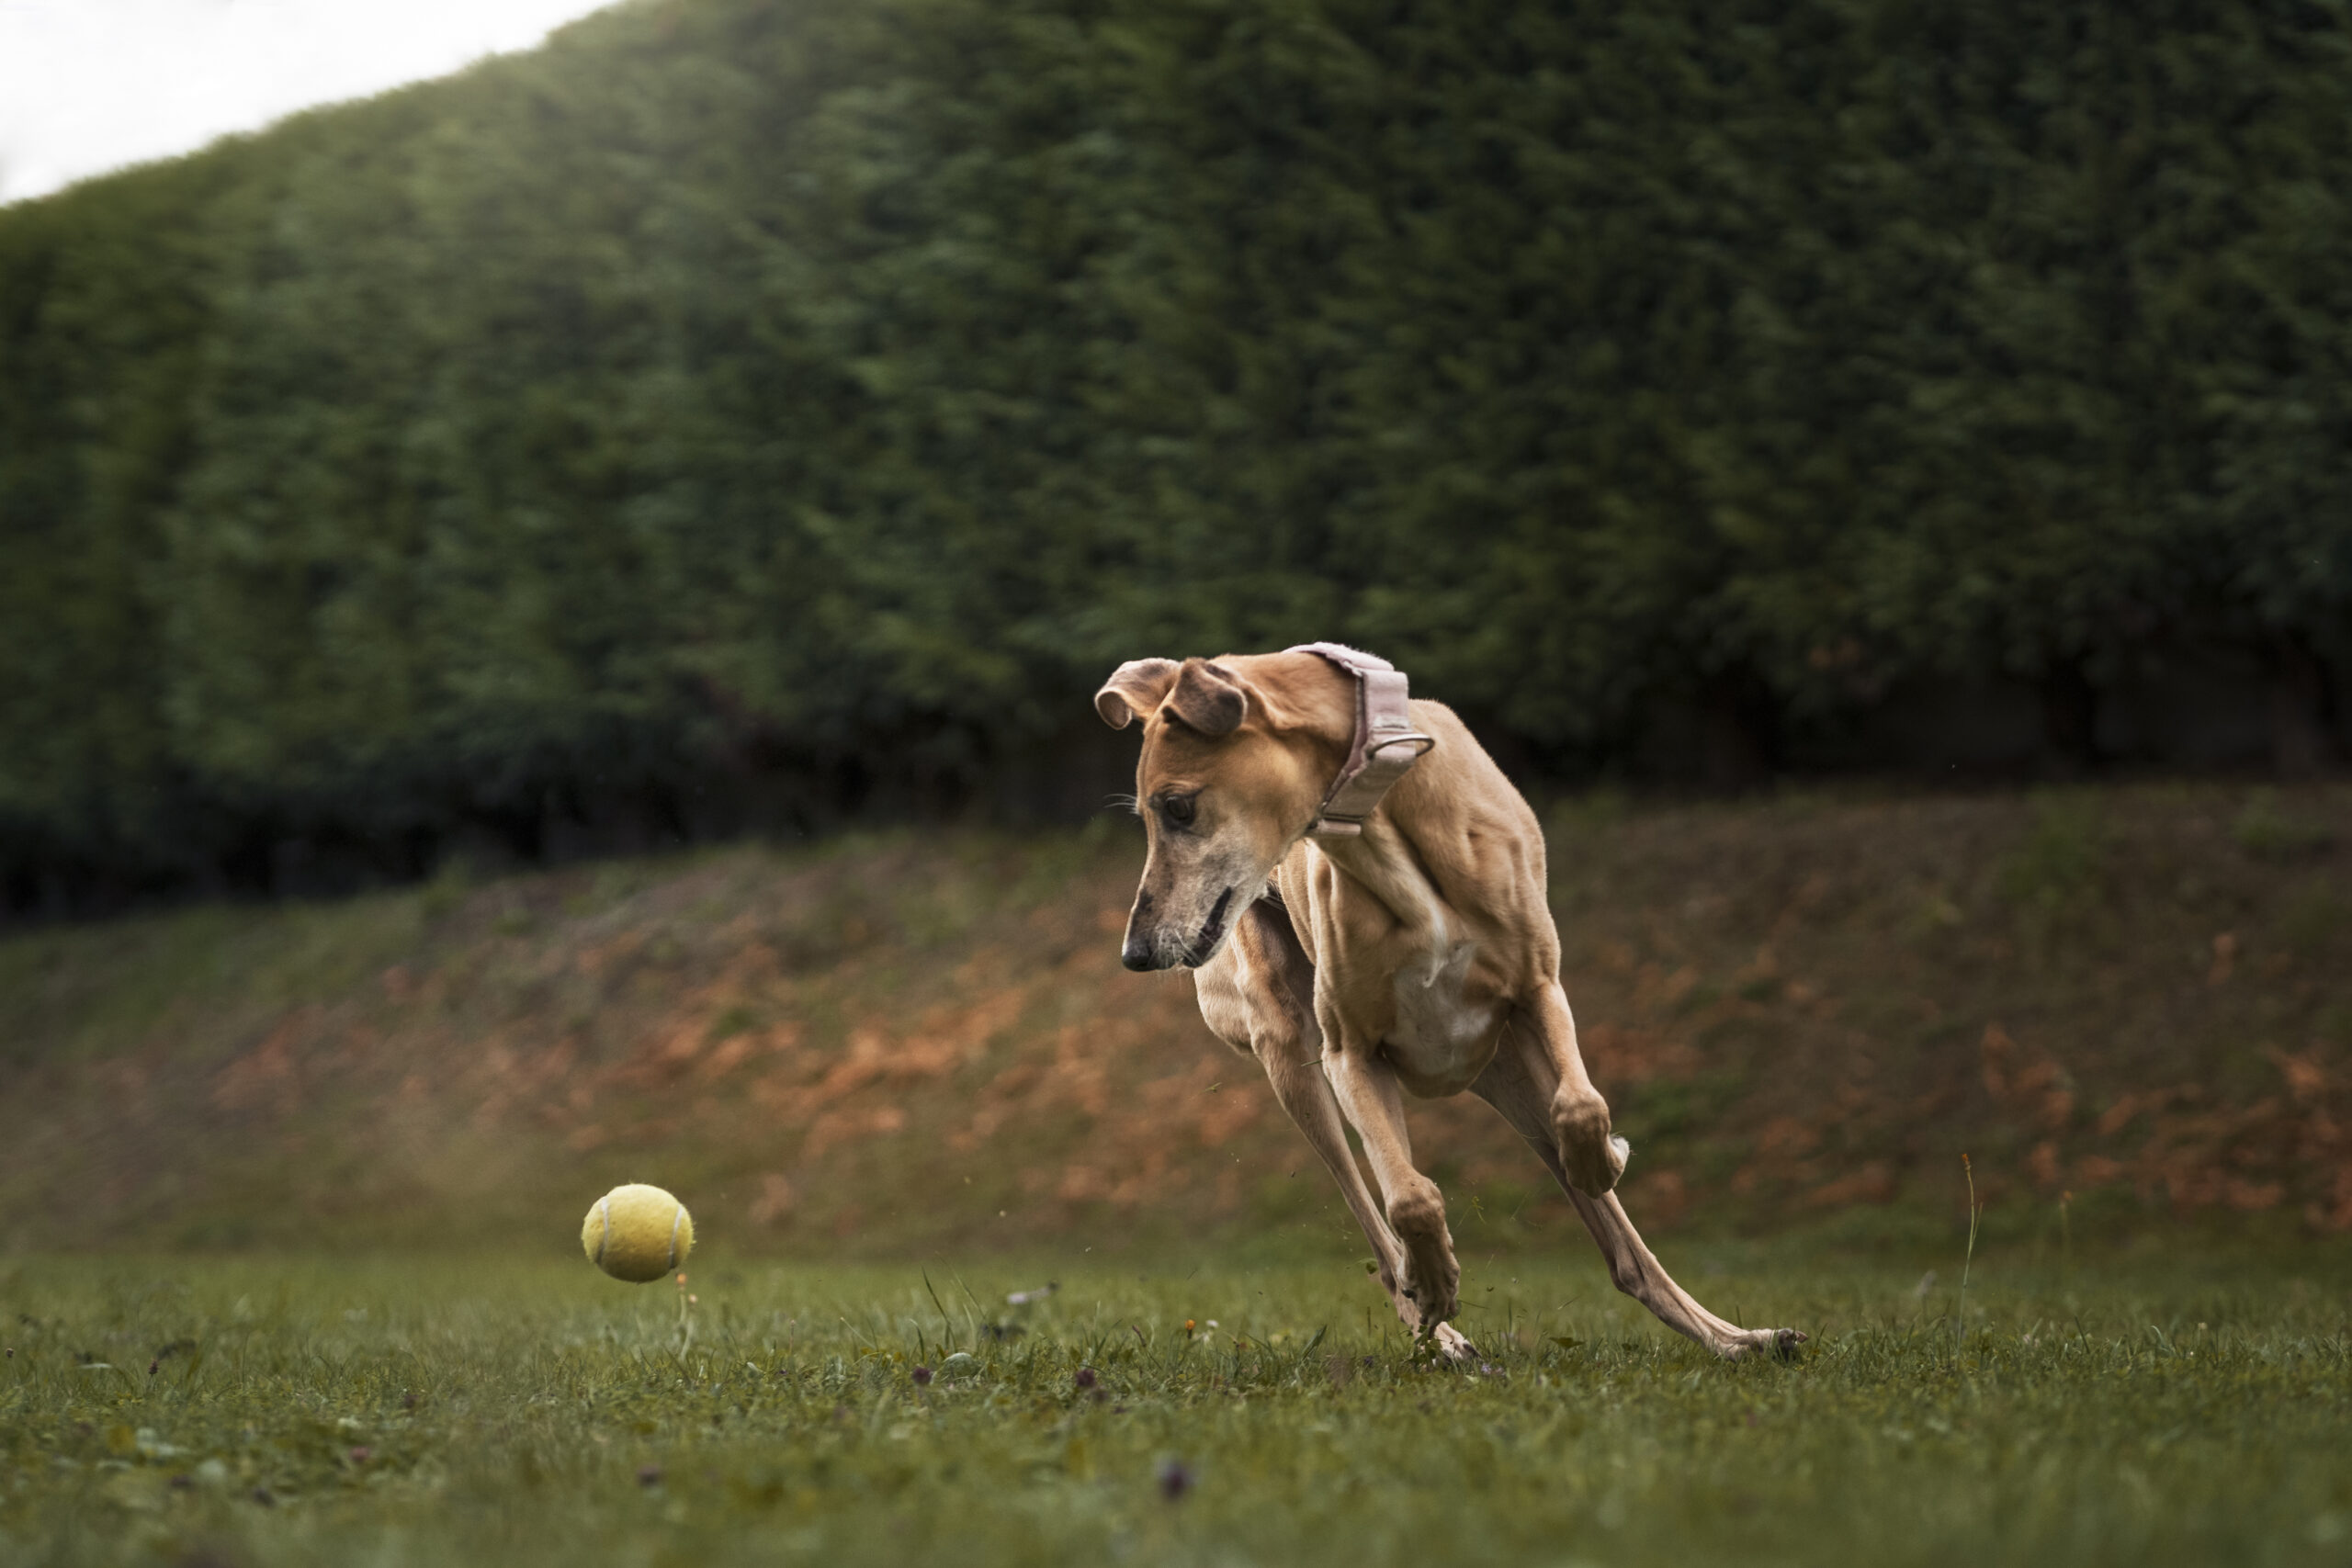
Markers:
point(832, 390)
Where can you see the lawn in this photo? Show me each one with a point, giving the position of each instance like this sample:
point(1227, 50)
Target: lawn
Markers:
point(2181, 1399)
point(902, 1077)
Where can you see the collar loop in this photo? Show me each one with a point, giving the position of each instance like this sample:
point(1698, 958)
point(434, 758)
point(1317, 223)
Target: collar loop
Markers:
point(1385, 745)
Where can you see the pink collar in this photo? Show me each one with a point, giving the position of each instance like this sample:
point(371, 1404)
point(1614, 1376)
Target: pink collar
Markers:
point(1385, 746)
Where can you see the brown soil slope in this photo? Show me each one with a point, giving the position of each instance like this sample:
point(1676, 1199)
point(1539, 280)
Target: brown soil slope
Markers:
point(2141, 997)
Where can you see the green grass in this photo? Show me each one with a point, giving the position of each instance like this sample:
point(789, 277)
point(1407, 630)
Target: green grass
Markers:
point(2126, 1007)
point(2152, 1403)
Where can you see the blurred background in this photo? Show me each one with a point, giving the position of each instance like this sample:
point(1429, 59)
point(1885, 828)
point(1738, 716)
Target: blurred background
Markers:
point(548, 615)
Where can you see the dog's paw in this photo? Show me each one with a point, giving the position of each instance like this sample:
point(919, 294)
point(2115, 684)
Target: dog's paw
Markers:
point(1778, 1343)
point(1595, 1167)
point(1445, 1342)
point(1433, 1285)
point(1594, 1155)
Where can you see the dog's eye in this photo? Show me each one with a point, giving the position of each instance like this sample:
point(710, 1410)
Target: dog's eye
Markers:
point(1179, 808)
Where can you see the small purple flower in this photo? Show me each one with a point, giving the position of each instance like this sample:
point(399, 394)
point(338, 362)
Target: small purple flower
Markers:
point(362, 1454)
point(921, 1376)
point(1174, 1480)
point(1086, 1377)
point(649, 1475)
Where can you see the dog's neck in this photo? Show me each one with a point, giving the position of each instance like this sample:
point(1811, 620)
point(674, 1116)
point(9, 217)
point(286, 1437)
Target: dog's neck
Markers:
point(1382, 860)
point(1385, 859)
point(1310, 703)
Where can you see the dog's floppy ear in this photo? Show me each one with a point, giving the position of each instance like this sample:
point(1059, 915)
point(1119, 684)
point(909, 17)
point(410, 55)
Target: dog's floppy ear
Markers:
point(1136, 687)
point(1207, 699)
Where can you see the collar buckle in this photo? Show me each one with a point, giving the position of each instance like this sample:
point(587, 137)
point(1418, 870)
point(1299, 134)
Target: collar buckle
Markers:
point(1383, 748)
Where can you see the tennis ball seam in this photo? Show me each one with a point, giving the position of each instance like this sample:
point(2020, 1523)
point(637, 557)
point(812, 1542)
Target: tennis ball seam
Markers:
point(623, 1230)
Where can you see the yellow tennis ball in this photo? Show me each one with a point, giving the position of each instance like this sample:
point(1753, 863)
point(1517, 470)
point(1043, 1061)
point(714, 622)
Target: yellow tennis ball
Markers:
point(638, 1232)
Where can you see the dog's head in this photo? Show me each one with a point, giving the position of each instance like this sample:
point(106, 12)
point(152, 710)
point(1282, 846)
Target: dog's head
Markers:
point(1236, 754)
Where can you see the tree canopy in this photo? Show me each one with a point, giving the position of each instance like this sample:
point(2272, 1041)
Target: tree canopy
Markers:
point(832, 391)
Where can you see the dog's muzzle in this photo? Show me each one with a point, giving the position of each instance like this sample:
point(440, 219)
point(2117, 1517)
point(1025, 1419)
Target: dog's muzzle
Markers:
point(1140, 952)
point(1143, 951)
point(1212, 932)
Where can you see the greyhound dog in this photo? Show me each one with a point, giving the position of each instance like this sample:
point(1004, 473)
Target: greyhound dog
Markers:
point(1360, 893)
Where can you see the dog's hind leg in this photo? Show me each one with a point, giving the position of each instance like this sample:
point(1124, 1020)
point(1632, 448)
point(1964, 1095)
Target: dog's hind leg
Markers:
point(1634, 1271)
point(1257, 994)
point(1523, 1084)
point(1592, 1154)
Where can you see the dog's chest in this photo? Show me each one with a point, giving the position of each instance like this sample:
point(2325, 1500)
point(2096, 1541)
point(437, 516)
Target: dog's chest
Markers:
point(1443, 1033)
point(1400, 966)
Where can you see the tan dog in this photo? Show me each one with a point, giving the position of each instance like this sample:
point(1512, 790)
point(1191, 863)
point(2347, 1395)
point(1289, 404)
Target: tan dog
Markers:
point(1413, 950)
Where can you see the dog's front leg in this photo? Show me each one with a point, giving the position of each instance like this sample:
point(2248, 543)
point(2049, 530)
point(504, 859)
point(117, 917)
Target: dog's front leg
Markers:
point(1368, 1092)
point(1257, 995)
point(1299, 1083)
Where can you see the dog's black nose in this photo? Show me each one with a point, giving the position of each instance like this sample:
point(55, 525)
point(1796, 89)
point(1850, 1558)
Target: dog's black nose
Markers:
point(1135, 955)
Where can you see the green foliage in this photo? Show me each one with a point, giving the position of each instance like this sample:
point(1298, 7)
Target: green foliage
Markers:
point(732, 385)
point(2056, 881)
point(2059, 864)
point(2266, 831)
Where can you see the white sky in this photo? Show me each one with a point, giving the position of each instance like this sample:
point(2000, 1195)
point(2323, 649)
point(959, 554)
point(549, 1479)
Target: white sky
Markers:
point(88, 85)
